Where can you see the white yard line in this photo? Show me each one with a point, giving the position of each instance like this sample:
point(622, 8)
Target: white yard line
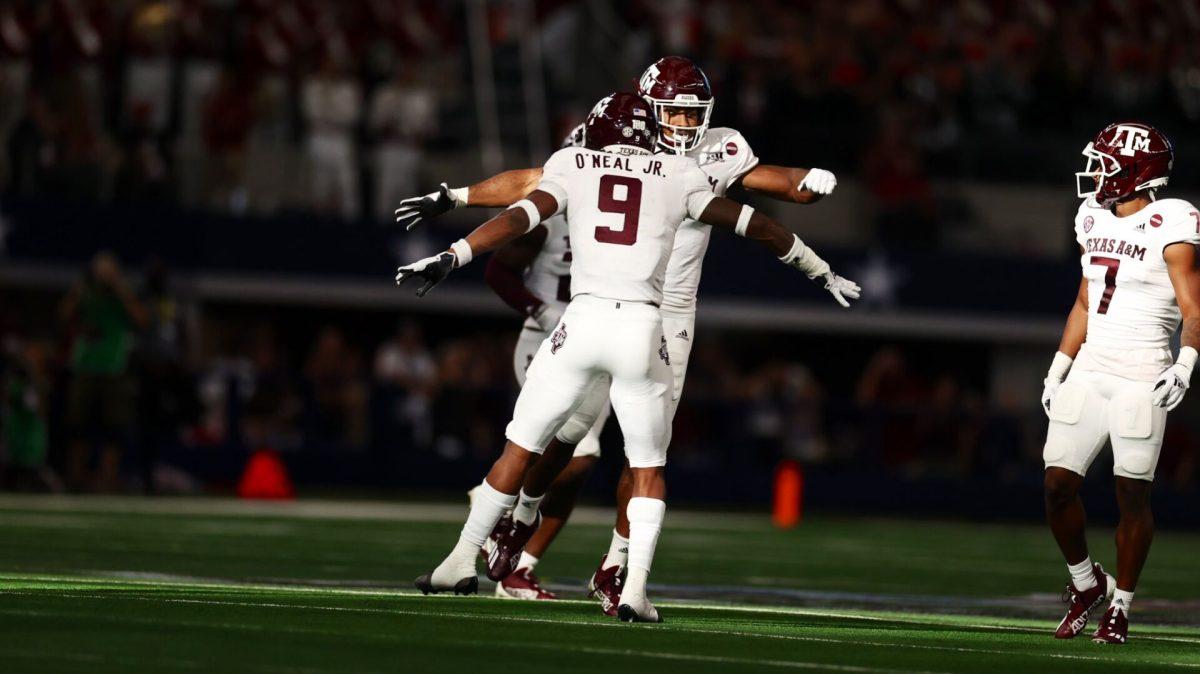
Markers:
point(665, 627)
point(134, 579)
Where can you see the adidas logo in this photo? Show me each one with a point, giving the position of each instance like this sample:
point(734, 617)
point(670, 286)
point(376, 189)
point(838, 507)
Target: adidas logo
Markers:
point(1141, 228)
point(682, 335)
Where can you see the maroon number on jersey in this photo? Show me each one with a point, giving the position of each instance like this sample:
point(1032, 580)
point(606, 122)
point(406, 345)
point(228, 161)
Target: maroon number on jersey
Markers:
point(1110, 280)
point(630, 207)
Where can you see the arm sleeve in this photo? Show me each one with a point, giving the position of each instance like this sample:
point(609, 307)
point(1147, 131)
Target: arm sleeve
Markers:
point(697, 191)
point(554, 177)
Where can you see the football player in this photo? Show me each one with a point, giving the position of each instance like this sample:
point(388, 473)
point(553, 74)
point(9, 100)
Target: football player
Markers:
point(533, 276)
point(624, 207)
point(683, 99)
point(1114, 377)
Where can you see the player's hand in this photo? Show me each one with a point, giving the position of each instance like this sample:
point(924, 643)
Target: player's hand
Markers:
point(546, 316)
point(818, 181)
point(1049, 388)
point(415, 209)
point(431, 269)
point(1171, 385)
point(841, 288)
point(1059, 367)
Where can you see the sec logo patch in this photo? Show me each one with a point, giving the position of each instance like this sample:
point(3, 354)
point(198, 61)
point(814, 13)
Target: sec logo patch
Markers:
point(1087, 224)
point(731, 148)
point(1156, 220)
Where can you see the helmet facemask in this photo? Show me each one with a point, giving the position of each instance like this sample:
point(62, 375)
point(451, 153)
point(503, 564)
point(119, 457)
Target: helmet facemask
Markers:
point(1100, 166)
point(682, 139)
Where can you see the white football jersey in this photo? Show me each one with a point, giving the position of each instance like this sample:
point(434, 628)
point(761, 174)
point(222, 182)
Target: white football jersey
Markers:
point(622, 214)
point(725, 156)
point(1131, 302)
point(548, 277)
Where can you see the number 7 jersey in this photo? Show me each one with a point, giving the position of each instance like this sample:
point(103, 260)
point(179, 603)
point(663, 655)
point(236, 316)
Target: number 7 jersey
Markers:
point(1131, 302)
point(622, 213)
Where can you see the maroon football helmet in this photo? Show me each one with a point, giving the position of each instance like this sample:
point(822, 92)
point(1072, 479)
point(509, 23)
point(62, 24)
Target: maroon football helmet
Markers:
point(676, 82)
point(1128, 157)
point(621, 123)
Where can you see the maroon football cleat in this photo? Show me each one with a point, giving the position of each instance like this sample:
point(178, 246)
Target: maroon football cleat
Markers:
point(503, 559)
point(523, 584)
point(503, 526)
point(605, 585)
point(1114, 627)
point(1081, 603)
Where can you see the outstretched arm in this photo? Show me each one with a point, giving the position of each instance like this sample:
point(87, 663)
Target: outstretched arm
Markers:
point(802, 186)
point(498, 191)
point(788, 247)
point(512, 223)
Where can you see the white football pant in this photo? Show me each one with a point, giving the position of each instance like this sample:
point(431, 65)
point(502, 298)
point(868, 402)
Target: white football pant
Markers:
point(1091, 407)
point(598, 337)
point(585, 425)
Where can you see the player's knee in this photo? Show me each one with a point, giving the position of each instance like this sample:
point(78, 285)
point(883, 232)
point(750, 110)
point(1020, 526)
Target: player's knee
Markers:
point(648, 481)
point(1133, 495)
point(575, 429)
point(1061, 487)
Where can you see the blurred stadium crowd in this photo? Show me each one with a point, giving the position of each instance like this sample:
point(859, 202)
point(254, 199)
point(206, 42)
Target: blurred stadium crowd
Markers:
point(266, 107)
point(345, 107)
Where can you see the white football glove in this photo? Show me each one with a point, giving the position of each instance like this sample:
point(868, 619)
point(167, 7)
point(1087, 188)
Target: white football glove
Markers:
point(1054, 378)
point(818, 181)
point(547, 316)
point(1173, 383)
point(431, 269)
point(841, 288)
point(414, 209)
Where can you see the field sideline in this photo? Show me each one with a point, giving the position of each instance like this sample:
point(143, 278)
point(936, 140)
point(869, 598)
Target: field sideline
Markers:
point(115, 584)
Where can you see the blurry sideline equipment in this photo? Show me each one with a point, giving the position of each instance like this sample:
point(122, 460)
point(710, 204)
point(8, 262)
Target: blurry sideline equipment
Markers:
point(266, 477)
point(789, 494)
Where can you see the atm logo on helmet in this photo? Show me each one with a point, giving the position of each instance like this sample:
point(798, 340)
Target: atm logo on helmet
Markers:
point(1137, 139)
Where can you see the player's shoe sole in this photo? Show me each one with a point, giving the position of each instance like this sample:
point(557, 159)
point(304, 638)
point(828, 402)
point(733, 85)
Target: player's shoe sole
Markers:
point(464, 587)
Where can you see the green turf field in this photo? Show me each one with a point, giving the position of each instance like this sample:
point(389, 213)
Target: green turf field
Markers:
point(131, 585)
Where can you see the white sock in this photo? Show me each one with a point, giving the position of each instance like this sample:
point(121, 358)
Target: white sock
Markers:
point(527, 561)
point(645, 524)
point(527, 507)
point(487, 507)
point(1082, 575)
point(618, 551)
point(1122, 600)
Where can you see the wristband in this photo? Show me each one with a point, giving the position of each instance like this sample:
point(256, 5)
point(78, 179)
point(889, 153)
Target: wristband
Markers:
point(462, 251)
point(743, 221)
point(459, 195)
point(535, 218)
point(1061, 365)
point(803, 258)
point(1187, 358)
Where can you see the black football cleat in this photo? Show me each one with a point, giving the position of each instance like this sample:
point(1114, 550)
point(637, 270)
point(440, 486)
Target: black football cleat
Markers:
point(464, 587)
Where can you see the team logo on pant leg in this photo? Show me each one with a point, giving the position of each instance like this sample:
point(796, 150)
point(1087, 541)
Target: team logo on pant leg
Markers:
point(558, 338)
point(662, 351)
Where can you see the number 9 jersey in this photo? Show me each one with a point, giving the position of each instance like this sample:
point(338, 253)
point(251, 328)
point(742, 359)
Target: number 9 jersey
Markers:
point(1132, 310)
point(622, 212)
